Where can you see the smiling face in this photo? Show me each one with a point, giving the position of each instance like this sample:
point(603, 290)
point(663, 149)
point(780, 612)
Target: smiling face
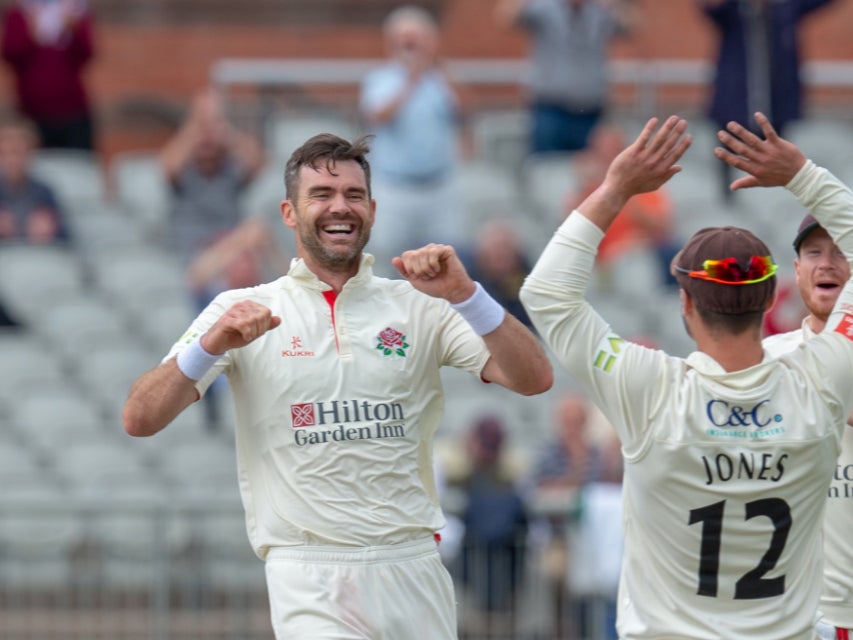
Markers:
point(821, 271)
point(332, 215)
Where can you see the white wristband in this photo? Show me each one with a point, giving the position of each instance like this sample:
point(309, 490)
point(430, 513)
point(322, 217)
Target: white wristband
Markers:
point(194, 361)
point(481, 311)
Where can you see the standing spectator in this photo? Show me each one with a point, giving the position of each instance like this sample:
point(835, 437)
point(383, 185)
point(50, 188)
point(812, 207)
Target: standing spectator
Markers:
point(729, 453)
point(29, 210)
point(646, 224)
point(48, 44)
point(208, 164)
point(338, 395)
point(758, 63)
point(568, 89)
point(821, 272)
point(412, 109)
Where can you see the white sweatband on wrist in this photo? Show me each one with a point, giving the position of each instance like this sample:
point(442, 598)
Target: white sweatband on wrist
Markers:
point(194, 361)
point(481, 311)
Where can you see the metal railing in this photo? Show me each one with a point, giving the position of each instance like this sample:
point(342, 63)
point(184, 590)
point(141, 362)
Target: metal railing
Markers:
point(120, 570)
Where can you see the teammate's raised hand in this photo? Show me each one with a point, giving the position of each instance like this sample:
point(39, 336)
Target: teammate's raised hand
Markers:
point(437, 271)
point(770, 162)
point(241, 324)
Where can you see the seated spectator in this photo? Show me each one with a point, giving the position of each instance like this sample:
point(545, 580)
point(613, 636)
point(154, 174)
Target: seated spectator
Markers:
point(646, 224)
point(498, 262)
point(208, 163)
point(29, 210)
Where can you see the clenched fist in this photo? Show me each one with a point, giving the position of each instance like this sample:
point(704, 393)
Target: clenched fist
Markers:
point(243, 323)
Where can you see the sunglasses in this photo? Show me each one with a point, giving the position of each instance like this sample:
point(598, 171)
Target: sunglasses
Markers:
point(729, 271)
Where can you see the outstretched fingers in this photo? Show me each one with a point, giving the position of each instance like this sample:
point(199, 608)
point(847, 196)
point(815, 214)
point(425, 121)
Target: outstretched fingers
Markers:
point(670, 142)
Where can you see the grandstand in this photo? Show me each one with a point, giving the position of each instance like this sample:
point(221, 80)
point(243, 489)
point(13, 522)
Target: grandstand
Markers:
point(105, 537)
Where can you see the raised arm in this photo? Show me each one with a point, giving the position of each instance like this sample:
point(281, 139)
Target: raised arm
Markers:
point(771, 162)
point(517, 360)
point(645, 165)
point(162, 393)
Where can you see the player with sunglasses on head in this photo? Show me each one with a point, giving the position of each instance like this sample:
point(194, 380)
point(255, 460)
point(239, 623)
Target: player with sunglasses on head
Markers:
point(729, 452)
point(821, 270)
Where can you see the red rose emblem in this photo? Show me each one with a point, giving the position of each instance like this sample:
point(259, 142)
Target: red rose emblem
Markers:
point(392, 342)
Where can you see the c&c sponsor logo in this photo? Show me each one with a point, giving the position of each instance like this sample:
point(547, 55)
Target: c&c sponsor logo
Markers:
point(735, 421)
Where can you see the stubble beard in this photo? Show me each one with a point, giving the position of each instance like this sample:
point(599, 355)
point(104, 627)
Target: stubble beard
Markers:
point(334, 258)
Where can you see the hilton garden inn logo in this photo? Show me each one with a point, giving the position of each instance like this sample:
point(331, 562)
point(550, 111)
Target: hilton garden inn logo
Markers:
point(346, 420)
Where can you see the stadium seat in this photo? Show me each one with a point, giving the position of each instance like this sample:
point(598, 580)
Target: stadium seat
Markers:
point(145, 273)
point(488, 190)
point(90, 469)
point(164, 322)
point(75, 327)
point(50, 418)
point(33, 278)
point(134, 547)
point(548, 178)
point(38, 546)
point(75, 175)
point(229, 562)
point(288, 130)
point(108, 370)
point(142, 190)
point(27, 363)
point(106, 228)
point(828, 141)
point(501, 136)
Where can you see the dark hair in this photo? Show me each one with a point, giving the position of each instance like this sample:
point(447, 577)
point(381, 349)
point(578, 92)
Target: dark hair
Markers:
point(731, 323)
point(329, 149)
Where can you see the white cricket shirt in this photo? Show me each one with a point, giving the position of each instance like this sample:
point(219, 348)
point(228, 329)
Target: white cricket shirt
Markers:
point(337, 408)
point(726, 474)
point(836, 600)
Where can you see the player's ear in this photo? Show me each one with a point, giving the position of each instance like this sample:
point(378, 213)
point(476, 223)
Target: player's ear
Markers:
point(772, 301)
point(686, 302)
point(288, 214)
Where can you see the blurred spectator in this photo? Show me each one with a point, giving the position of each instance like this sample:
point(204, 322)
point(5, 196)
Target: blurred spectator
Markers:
point(29, 210)
point(48, 44)
point(595, 546)
point(492, 558)
point(208, 164)
point(243, 257)
point(411, 107)
point(758, 63)
point(646, 224)
point(500, 264)
point(568, 89)
point(565, 466)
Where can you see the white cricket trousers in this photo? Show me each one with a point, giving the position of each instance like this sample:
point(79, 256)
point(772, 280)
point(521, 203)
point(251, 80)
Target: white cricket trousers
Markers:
point(395, 592)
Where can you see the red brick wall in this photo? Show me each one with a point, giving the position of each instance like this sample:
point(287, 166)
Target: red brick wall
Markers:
point(167, 64)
